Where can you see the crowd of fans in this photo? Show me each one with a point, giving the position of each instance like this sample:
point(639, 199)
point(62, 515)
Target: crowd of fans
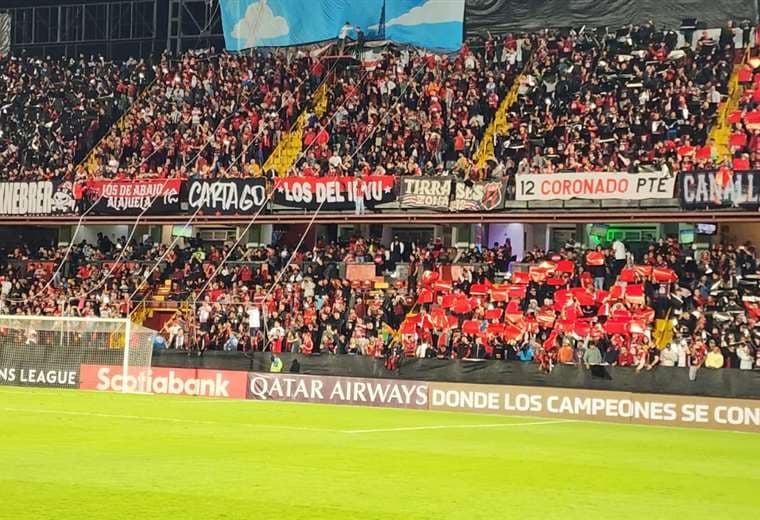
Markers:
point(588, 100)
point(630, 100)
point(411, 113)
point(671, 306)
point(744, 140)
point(52, 111)
point(209, 115)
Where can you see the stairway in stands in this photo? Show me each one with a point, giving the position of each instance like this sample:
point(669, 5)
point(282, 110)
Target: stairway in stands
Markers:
point(720, 132)
point(90, 162)
point(291, 145)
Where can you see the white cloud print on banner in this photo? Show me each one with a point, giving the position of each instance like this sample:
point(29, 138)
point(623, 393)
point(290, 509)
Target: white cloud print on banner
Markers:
point(431, 12)
point(259, 23)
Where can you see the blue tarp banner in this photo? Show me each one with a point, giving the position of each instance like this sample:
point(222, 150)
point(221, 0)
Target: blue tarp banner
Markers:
point(435, 24)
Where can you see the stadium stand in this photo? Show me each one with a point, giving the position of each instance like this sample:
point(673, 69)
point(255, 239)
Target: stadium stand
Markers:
point(456, 303)
point(52, 111)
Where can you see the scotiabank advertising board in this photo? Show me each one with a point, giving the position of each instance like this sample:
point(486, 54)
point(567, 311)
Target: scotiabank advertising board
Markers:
point(161, 380)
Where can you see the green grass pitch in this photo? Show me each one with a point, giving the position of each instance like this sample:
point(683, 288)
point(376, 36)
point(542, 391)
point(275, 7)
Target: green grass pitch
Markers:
point(88, 455)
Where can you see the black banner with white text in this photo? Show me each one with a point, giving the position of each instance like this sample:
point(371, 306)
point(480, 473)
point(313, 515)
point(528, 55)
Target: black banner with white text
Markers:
point(333, 193)
point(225, 196)
point(478, 196)
point(39, 198)
point(425, 192)
point(720, 189)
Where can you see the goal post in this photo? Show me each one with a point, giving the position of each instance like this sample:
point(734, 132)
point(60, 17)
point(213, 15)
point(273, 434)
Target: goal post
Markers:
point(70, 352)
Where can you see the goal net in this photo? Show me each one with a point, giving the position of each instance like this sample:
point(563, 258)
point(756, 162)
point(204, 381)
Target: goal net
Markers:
point(74, 352)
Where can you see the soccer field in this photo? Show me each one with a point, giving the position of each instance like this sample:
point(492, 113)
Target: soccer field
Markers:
point(71, 454)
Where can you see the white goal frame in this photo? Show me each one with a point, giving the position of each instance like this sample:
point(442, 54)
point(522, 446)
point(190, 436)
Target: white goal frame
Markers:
point(120, 331)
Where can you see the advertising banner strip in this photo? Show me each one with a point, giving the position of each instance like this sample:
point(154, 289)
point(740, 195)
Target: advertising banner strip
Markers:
point(29, 374)
point(337, 193)
point(160, 380)
point(390, 393)
point(225, 196)
point(40, 198)
point(507, 400)
point(709, 190)
point(624, 407)
point(127, 197)
point(425, 192)
point(594, 186)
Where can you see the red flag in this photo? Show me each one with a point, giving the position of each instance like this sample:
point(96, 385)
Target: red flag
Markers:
point(512, 332)
point(616, 327)
point(429, 277)
point(478, 289)
point(448, 300)
point(646, 315)
point(627, 275)
point(493, 314)
point(551, 341)
point(583, 296)
point(635, 294)
point(664, 275)
point(644, 271)
point(499, 295)
point(425, 296)
point(595, 258)
point(495, 328)
point(565, 266)
point(461, 305)
point(471, 327)
point(616, 292)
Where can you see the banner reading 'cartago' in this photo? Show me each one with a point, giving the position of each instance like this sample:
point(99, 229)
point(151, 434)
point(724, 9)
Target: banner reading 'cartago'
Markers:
point(226, 196)
point(333, 193)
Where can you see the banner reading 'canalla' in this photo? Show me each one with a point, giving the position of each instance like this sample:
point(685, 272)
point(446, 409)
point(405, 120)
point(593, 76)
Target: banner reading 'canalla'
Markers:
point(595, 186)
point(701, 190)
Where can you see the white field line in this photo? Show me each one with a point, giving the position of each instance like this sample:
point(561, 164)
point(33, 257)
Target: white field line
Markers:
point(455, 426)
point(166, 419)
point(272, 426)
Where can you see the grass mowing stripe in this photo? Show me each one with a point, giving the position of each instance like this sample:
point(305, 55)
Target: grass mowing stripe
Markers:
point(451, 426)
